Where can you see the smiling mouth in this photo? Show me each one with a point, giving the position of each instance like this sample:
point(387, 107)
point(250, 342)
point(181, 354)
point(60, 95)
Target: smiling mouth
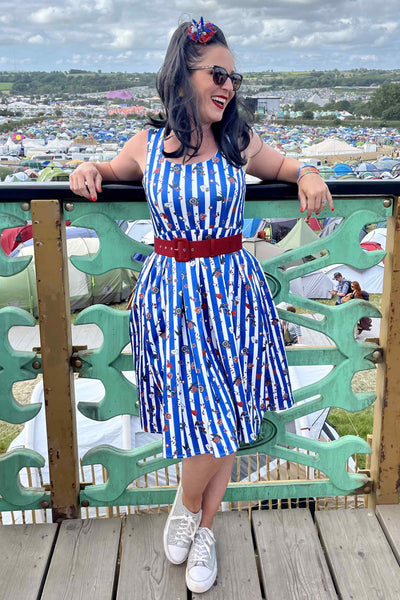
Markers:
point(219, 101)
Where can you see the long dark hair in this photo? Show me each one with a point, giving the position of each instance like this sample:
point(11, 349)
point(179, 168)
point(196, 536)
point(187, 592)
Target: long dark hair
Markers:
point(179, 99)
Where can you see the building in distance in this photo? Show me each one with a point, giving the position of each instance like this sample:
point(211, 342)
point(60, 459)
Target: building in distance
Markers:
point(267, 105)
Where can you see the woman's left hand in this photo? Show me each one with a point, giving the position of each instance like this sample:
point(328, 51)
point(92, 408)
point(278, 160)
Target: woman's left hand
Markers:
point(314, 194)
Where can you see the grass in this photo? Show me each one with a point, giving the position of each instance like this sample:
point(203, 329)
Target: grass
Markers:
point(375, 299)
point(7, 434)
point(358, 423)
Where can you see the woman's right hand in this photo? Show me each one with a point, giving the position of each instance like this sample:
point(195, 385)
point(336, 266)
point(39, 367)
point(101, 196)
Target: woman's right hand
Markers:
point(86, 181)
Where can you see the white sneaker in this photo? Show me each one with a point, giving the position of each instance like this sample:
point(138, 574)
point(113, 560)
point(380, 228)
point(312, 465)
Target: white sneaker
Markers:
point(201, 570)
point(180, 529)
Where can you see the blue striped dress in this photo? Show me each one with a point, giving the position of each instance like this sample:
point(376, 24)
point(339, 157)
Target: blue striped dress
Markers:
point(207, 342)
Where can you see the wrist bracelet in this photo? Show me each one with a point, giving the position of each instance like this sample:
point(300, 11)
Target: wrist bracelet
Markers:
point(315, 170)
point(307, 173)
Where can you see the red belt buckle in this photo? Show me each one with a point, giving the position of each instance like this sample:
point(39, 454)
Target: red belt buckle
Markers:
point(182, 249)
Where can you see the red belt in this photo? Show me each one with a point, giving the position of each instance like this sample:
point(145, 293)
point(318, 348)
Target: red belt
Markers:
point(183, 249)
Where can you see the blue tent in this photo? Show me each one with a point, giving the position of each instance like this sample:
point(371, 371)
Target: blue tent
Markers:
point(250, 227)
point(386, 165)
point(342, 169)
point(365, 167)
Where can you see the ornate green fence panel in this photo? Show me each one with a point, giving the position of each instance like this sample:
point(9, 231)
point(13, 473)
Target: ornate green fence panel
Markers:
point(348, 356)
point(16, 366)
point(108, 362)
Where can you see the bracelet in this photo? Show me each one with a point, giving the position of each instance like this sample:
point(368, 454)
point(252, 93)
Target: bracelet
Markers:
point(311, 167)
point(306, 173)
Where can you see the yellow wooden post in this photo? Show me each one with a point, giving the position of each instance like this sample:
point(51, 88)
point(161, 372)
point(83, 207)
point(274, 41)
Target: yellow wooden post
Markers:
point(56, 348)
point(385, 460)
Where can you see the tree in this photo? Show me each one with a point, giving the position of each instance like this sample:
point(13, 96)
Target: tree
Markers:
point(307, 114)
point(386, 97)
point(392, 113)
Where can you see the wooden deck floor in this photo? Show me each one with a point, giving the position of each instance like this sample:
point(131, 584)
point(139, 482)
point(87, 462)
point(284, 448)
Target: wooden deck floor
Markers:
point(278, 555)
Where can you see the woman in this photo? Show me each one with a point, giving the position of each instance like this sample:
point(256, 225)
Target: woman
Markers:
point(207, 341)
point(365, 323)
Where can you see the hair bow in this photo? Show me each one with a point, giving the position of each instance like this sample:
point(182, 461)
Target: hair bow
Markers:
point(198, 32)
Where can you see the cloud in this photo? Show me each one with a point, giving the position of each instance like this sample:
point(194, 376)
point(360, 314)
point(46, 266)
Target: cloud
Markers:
point(36, 40)
point(365, 58)
point(278, 34)
point(123, 38)
point(47, 16)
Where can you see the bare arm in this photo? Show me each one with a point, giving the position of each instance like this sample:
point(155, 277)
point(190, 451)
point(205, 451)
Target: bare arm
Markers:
point(86, 180)
point(266, 163)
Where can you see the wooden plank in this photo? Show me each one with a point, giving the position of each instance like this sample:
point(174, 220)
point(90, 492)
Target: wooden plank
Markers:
point(360, 559)
point(385, 458)
point(292, 562)
point(145, 572)
point(237, 569)
point(84, 560)
point(51, 265)
point(389, 518)
point(25, 552)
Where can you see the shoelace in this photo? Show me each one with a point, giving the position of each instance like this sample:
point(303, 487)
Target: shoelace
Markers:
point(186, 529)
point(201, 550)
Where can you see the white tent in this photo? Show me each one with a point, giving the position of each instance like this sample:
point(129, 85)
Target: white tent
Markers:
point(85, 290)
point(370, 280)
point(313, 285)
point(11, 145)
point(123, 432)
point(34, 144)
point(377, 236)
point(331, 146)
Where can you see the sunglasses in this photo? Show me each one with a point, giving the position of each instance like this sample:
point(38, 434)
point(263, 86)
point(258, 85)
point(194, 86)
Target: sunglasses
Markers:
point(220, 75)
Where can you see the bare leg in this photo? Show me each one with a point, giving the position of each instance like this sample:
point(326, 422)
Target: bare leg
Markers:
point(215, 491)
point(196, 473)
point(204, 481)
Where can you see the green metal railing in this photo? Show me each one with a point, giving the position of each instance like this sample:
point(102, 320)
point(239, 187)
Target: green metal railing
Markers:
point(360, 203)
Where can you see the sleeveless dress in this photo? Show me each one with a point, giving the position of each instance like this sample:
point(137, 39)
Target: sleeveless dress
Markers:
point(206, 339)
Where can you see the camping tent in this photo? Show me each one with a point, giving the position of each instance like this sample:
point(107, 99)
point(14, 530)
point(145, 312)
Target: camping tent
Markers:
point(330, 224)
point(327, 172)
point(313, 285)
point(331, 146)
point(365, 167)
point(377, 236)
point(85, 290)
point(342, 169)
point(53, 173)
point(300, 235)
point(370, 280)
point(252, 226)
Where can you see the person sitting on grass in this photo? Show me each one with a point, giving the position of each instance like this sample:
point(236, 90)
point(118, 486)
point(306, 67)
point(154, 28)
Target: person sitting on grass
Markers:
point(291, 331)
point(365, 323)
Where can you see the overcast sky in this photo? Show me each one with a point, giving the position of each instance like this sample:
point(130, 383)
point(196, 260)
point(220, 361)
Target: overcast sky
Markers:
point(132, 35)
